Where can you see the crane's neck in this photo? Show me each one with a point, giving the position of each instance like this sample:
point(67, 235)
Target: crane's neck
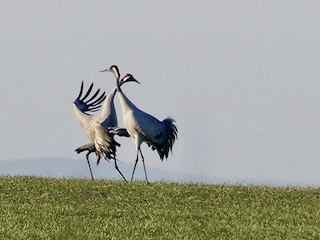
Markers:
point(118, 86)
point(126, 104)
point(108, 108)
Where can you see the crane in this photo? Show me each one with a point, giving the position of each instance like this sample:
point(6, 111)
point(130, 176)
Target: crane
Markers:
point(142, 127)
point(86, 106)
point(96, 126)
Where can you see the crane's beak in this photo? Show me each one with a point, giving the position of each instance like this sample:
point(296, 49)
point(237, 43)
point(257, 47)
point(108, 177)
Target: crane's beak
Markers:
point(135, 80)
point(105, 70)
point(132, 79)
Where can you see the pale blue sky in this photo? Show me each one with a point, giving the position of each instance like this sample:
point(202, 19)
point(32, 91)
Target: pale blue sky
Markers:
point(241, 78)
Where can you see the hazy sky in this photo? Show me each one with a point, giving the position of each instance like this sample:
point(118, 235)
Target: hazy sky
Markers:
point(241, 79)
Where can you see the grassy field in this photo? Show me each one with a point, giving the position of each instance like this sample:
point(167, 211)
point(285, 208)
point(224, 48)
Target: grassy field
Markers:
point(42, 208)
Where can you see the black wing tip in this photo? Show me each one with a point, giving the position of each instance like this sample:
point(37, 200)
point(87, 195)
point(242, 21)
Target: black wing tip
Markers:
point(93, 104)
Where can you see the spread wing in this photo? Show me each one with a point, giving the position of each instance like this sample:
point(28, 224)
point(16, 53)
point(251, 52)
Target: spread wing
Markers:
point(88, 104)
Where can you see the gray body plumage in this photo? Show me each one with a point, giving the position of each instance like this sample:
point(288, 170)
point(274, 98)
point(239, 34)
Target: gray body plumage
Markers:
point(143, 127)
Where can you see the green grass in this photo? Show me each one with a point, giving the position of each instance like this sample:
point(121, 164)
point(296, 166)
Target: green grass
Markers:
point(44, 208)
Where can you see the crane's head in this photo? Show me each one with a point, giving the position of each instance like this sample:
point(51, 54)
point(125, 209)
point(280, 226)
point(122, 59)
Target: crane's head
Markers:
point(128, 78)
point(114, 69)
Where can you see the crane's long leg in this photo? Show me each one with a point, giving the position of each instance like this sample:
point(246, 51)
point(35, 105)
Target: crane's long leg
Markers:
point(87, 157)
point(144, 167)
point(116, 166)
point(135, 164)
